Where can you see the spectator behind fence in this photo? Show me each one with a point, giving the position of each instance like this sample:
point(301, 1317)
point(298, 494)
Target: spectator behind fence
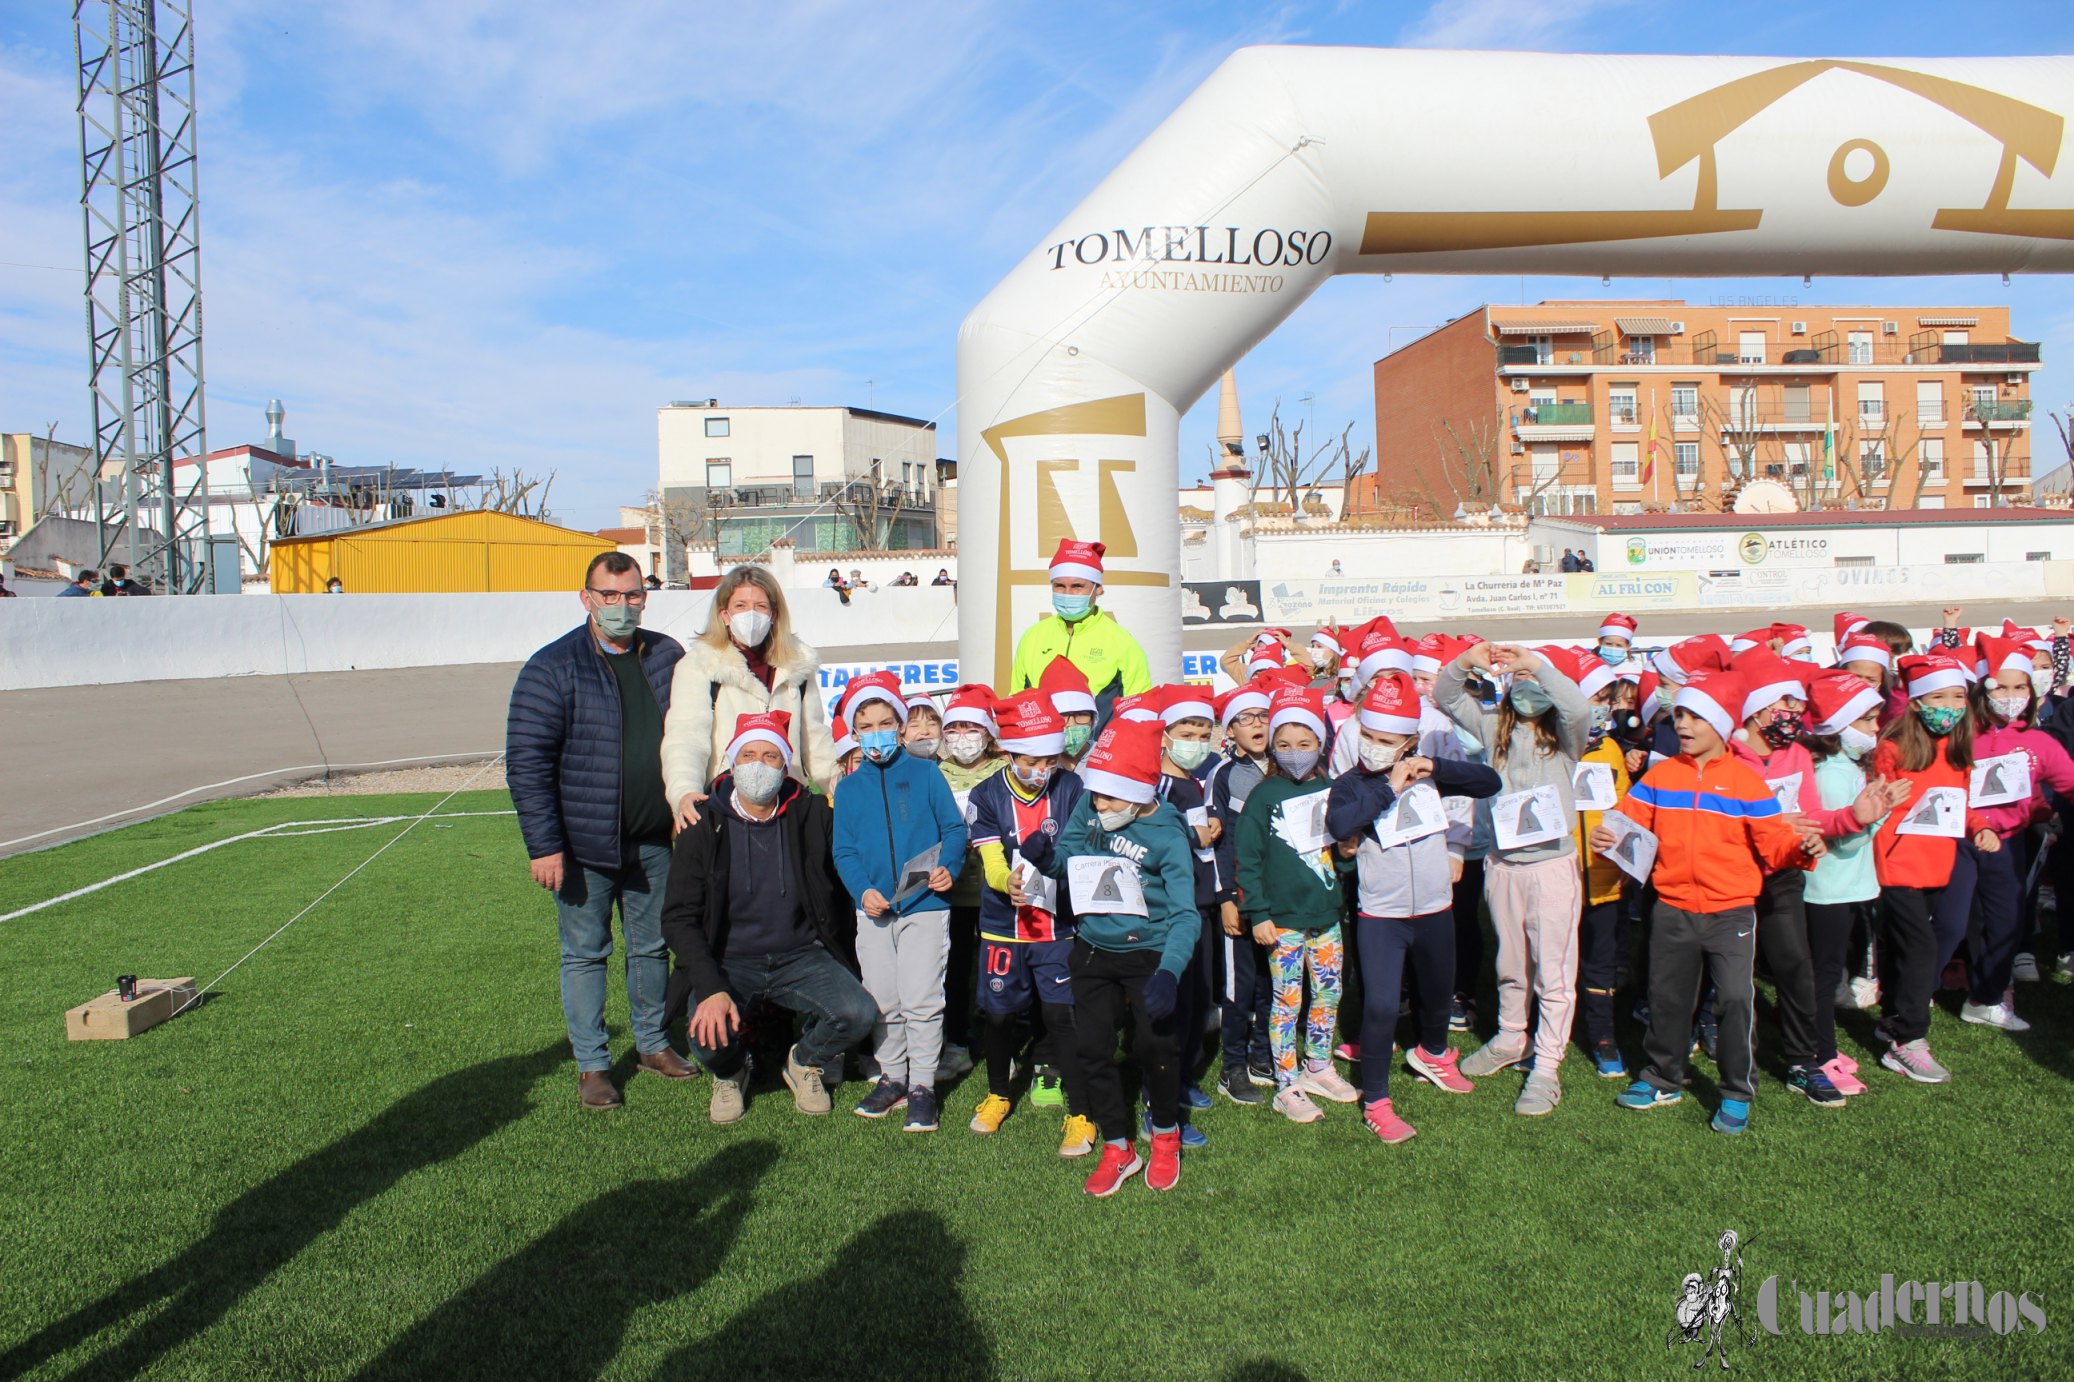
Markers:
point(120, 582)
point(836, 583)
point(583, 756)
point(5, 593)
point(943, 576)
point(334, 586)
point(87, 582)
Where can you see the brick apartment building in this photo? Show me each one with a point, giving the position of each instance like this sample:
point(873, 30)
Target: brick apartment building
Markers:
point(1579, 407)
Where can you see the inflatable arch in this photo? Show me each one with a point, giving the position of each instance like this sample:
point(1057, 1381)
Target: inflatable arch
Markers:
point(1289, 165)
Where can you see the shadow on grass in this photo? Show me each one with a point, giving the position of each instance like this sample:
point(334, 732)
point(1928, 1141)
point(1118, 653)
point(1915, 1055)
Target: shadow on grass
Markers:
point(268, 1226)
point(559, 1307)
point(888, 1306)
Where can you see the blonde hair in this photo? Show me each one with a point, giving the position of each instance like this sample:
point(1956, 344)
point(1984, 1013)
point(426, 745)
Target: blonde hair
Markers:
point(716, 622)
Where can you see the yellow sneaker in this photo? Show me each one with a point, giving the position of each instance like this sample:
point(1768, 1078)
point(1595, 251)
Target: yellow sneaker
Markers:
point(992, 1110)
point(1080, 1136)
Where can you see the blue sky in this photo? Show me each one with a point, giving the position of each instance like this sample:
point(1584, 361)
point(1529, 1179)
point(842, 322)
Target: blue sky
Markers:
point(501, 234)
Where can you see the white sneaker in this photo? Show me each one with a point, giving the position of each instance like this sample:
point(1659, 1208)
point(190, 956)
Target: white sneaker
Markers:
point(1295, 1105)
point(2025, 970)
point(1327, 1083)
point(1993, 1015)
point(1866, 992)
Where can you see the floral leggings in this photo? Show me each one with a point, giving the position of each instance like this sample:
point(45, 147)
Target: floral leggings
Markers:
point(1322, 954)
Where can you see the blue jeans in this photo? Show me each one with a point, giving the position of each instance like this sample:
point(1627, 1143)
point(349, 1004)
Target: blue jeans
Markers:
point(584, 913)
point(809, 981)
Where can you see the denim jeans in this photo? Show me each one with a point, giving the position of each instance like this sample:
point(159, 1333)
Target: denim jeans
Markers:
point(584, 911)
point(811, 982)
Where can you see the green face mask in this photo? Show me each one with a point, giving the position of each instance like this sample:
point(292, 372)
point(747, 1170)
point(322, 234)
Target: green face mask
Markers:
point(1076, 739)
point(617, 621)
point(1940, 720)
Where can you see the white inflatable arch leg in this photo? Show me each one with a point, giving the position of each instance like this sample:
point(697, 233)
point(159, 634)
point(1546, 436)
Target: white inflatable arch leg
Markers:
point(1289, 165)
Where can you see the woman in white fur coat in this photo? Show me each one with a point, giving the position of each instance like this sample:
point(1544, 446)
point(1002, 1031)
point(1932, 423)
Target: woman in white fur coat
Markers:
point(746, 662)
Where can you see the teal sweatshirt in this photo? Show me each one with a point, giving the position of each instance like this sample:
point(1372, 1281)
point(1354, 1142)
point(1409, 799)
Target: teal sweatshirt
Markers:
point(1160, 847)
point(1845, 873)
point(1296, 891)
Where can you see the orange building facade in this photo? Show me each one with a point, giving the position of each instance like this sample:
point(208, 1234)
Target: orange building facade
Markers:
point(1607, 407)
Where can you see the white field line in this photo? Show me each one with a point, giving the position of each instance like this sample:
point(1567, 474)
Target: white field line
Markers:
point(279, 830)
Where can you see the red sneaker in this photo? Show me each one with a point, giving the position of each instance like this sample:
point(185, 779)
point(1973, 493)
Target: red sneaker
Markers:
point(1166, 1161)
point(1383, 1121)
point(1118, 1164)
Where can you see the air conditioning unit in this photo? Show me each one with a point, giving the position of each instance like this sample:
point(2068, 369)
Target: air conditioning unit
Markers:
point(1519, 386)
point(1519, 448)
point(1677, 328)
point(2012, 379)
point(1890, 328)
point(1800, 328)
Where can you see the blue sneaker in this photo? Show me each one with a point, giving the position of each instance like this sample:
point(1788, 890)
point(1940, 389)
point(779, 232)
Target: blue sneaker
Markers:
point(1811, 1081)
point(1192, 1097)
point(1644, 1095)
point(1606, 1058)
point(1192, 1137)
point(885, 1096)
point(921, 1110)
point(1732, 1117)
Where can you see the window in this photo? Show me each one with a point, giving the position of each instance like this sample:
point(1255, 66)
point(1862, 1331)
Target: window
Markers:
point(802, 477)
point(1983, 460)
point(1983, 405)
point(1620, 405)
point(1858, 348)
point(1981, 501)
point(1685, 406)
point(717, 427)
point(1872, 462)
point(1799, 458)
point(720, 474)
point(2037, 556)
point(1544, 349)
point(1627, 464)
point(1687, 454)
point(907, 474)
point(1872, 402)
point(1930, 501)
point(1854, 561)
point(1797, 405)
point(1750, 347)
point(1933, 460)
point(1742, 405)
point(1965, 558)
point(1957, 337)
point(1930, 403)
point(1642, 350)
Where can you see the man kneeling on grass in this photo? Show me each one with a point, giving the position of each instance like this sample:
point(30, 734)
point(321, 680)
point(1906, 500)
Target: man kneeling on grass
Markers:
point(753, 912)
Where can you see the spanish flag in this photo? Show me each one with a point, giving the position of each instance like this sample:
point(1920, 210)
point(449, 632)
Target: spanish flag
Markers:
point(1649, 459)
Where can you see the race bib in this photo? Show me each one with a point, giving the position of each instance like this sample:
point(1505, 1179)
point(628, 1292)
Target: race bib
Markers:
point(914, 874)
point(1941, 811)
point(1634, 849)
point(1105, 883)
point(1786, 791)
point(1593, 787)
point(1419, 812)
point(1040, 890)
point(964, 800)
point(2001, 780)
point(1520, 819)
point(1303, 822)
point(1460, 810)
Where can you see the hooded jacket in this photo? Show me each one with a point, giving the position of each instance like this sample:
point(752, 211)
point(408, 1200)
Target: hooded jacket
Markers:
point(713, 687)
point(887, 815)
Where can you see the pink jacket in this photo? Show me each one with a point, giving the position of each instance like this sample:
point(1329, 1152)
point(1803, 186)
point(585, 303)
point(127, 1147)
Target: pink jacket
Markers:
point(2050, 767)
point(1780, 764)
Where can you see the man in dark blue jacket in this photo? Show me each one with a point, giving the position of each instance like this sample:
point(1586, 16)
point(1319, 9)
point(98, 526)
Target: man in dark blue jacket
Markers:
point(583, 756)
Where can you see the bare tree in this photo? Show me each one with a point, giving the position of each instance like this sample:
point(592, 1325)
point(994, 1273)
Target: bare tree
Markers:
point(1352, 466)
point(871, 501)
point(1474, 468)
point(2063, 423)
point(1285, 470)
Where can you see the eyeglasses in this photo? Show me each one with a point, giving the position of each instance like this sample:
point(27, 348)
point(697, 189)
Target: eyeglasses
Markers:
point(1250, 717)
point(608, 598)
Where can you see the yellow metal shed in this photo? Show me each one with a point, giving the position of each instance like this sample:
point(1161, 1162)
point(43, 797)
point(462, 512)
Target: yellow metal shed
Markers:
point(453, 552)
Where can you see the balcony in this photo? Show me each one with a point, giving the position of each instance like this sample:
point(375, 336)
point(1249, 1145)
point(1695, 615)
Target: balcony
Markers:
point(1775, 417)
point(2005, 412)
point(2015, 476)
point(1988, 353)
point(1519, 355)
point(1554, 415)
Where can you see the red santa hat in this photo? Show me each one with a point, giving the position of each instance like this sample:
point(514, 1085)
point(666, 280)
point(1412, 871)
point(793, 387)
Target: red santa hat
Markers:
point(1588, 670)
point(1646, 687)
point(845, 742)
point(1926, 673)
point(1028, 722)
point(1618, 626)
point(1836, 699)
point(1863, 647)
point(1846, 624)
point(772, 727)
point(2029, 637)
point(1766, 677)
point(1267, 636)
point(1124, 761)
point(1708, 652)
point(1078, 561)
point(1753, 638)
point(1266, 656)
point(2003, 655)
point(1067, 686)
point(1431, 651)
point(1793, 639)
point(1298, 705)
point(1380, 651)
point(971, 704)
point(1252, 695)
point(1143, 706)
point(872, 686)
point(1391, 705)
point(1184, 702)
point(1716, 697)
point(1328, 638)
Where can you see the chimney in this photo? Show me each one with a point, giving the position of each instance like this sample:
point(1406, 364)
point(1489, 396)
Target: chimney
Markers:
point(275, 442)
point(1229, 483)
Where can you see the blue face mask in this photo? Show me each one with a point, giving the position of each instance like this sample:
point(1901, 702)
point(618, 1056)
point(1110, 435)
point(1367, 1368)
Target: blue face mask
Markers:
point(1528, 698)
point(1611, 655)
point(1072, 608)
point(880, 745)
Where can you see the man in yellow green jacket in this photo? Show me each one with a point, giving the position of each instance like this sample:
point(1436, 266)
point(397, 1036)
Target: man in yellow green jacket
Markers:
point(1088, 637)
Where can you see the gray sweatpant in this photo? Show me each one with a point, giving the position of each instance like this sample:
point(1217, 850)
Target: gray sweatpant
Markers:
point(1684, 949)
point(903, 959)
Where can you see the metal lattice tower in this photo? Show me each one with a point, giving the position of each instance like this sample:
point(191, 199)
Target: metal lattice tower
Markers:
point(141, 205)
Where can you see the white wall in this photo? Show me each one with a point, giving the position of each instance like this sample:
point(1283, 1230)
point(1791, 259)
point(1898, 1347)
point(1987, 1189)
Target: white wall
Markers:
point(1865, 540)
point(1308, 553)
point(761, 443)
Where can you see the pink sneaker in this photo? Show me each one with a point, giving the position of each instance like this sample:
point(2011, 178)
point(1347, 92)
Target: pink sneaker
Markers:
point(1383, 1121)
point(1845, 1080)
point(1348, 1051)
point(1443, 1070)
point(1844, 1063)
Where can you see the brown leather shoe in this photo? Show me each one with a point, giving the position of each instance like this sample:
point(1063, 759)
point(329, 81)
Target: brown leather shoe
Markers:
point(668, 1064)
point(594, 1089)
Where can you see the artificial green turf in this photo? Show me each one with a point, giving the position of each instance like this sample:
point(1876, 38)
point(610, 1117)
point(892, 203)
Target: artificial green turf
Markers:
point(365, 1157)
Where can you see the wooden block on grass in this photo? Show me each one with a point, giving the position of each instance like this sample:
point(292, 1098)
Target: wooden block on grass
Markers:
point(108, 1018)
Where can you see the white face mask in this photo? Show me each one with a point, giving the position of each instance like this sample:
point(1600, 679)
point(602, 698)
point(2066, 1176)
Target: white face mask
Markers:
point(2041, 680)
point(1188, 754)
point(923, 748)
point(1379, 757)
point(1856, 742)
point(2010, 705)
point(758, 782)
point(1113, 821)
point(749, 626)
point(965, 748)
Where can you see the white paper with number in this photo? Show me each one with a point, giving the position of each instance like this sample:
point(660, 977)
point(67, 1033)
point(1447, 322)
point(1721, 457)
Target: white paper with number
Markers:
point(2001, 780)
point(1786, 791)
point(965, 811)
point(1105, 883)
point(1594, 787)
point(1940, 811)
point(914, 874)
point(1039, 890)
point(1416, 814)
point(1460, 810)
point(1535, 817)
point(1634, 849)
point(1303, 822)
